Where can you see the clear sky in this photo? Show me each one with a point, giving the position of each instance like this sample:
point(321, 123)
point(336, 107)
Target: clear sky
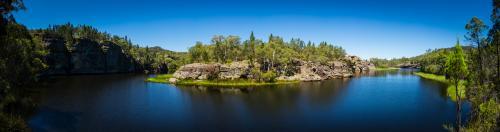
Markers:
point(367, 28)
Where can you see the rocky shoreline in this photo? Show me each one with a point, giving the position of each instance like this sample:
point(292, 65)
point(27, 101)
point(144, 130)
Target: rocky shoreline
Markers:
point(304, 70)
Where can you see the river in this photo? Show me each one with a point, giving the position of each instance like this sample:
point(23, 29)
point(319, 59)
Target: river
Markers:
point(378, 101)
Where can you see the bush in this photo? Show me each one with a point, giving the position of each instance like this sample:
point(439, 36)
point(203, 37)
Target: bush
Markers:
point(256, 74)
point(12, 123)
point(434, 69)
point(269, 76)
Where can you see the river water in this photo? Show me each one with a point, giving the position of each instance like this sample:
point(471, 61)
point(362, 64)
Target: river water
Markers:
point(378, 101)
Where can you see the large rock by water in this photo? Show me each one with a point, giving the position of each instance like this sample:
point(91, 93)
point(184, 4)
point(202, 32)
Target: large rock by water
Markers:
point(198, 71)
point(202, 71)
point(86, 57)
point(311, 71)
point(234, 70)
point(303, 70)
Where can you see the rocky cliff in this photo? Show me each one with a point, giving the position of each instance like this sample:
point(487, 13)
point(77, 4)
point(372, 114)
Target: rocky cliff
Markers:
point(86, 57)
point(304, 71)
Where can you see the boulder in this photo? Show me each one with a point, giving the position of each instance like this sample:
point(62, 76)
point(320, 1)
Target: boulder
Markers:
point(234, 70)
point(200, 71)
point(172, 80)
point(358, 65)
point(197, 71)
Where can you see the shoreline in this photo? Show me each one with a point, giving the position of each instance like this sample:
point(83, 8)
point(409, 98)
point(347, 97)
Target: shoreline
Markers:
point(164, 78)
point(450, 90)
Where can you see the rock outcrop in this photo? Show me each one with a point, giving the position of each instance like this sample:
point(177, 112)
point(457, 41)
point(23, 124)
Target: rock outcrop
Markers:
point(303, 71)
point(200, 71)
point(86, 57)
point(409, 65)
point(358, 65)
point(234, 70)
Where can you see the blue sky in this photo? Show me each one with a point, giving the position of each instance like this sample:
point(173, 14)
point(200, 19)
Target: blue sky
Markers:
point(367, 28)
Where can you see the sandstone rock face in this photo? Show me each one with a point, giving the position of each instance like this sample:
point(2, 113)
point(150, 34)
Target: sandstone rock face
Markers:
point(116, 60)
point(86, 57)
point(303, 71)
point(58, 58)
point(172, 80)
point(198, 71)
point(310, 71)
point(234, 70)
point(358, 65)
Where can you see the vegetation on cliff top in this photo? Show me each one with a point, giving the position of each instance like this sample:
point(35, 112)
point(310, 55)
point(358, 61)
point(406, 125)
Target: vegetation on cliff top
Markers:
point(275, 54)
point(149, 59)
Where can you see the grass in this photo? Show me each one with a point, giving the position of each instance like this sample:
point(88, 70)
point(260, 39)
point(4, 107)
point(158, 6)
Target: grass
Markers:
point(386, 68)
point(163, 78)
point(240, 82)
point(451, 90)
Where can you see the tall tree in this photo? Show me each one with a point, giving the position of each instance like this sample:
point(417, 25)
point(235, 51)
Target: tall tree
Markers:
point(494, 38)
point(456, 69)
point(220, 48)
point(251, 47)
point(20, 61)
point(475, 28)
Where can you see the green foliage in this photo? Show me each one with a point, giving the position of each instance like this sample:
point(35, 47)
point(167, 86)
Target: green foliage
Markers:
point(386, 68)
point(162, 78)
point(486, 120)
point(434, 69)
point(275, 54)
point(256, 74)
point(394, 62)
point(20, 61)
point(456, 70)
point(149, 59)
point(269, 76)
point(455, 66)
point(451, 89)
point(12, 123)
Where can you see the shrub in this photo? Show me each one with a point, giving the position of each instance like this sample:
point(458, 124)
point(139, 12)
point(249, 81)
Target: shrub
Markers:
point(256, 74)
point(434, 69)
point(269, 76)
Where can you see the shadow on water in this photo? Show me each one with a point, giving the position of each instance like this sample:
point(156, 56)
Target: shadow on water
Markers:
point(375, 101)
point(52, 120)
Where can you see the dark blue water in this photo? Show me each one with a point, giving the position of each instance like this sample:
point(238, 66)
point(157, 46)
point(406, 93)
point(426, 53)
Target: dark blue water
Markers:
point(379, 101)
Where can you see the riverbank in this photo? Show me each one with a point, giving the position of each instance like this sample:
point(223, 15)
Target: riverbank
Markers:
point(451, 91)
point(164, 78)
point(386, 68)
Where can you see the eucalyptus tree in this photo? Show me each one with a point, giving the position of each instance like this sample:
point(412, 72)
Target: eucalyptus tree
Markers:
point(456, 70)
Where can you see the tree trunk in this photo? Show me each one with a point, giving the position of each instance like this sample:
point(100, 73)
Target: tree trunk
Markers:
point(480, 59)
point(459, 108)
point(272, 61)
point(498, 65)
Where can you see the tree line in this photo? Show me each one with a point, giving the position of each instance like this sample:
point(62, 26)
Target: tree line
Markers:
point(273, 54)
point(149, 59)
point(21, 59)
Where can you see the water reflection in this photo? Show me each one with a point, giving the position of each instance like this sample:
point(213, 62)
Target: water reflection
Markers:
point(375, 101)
